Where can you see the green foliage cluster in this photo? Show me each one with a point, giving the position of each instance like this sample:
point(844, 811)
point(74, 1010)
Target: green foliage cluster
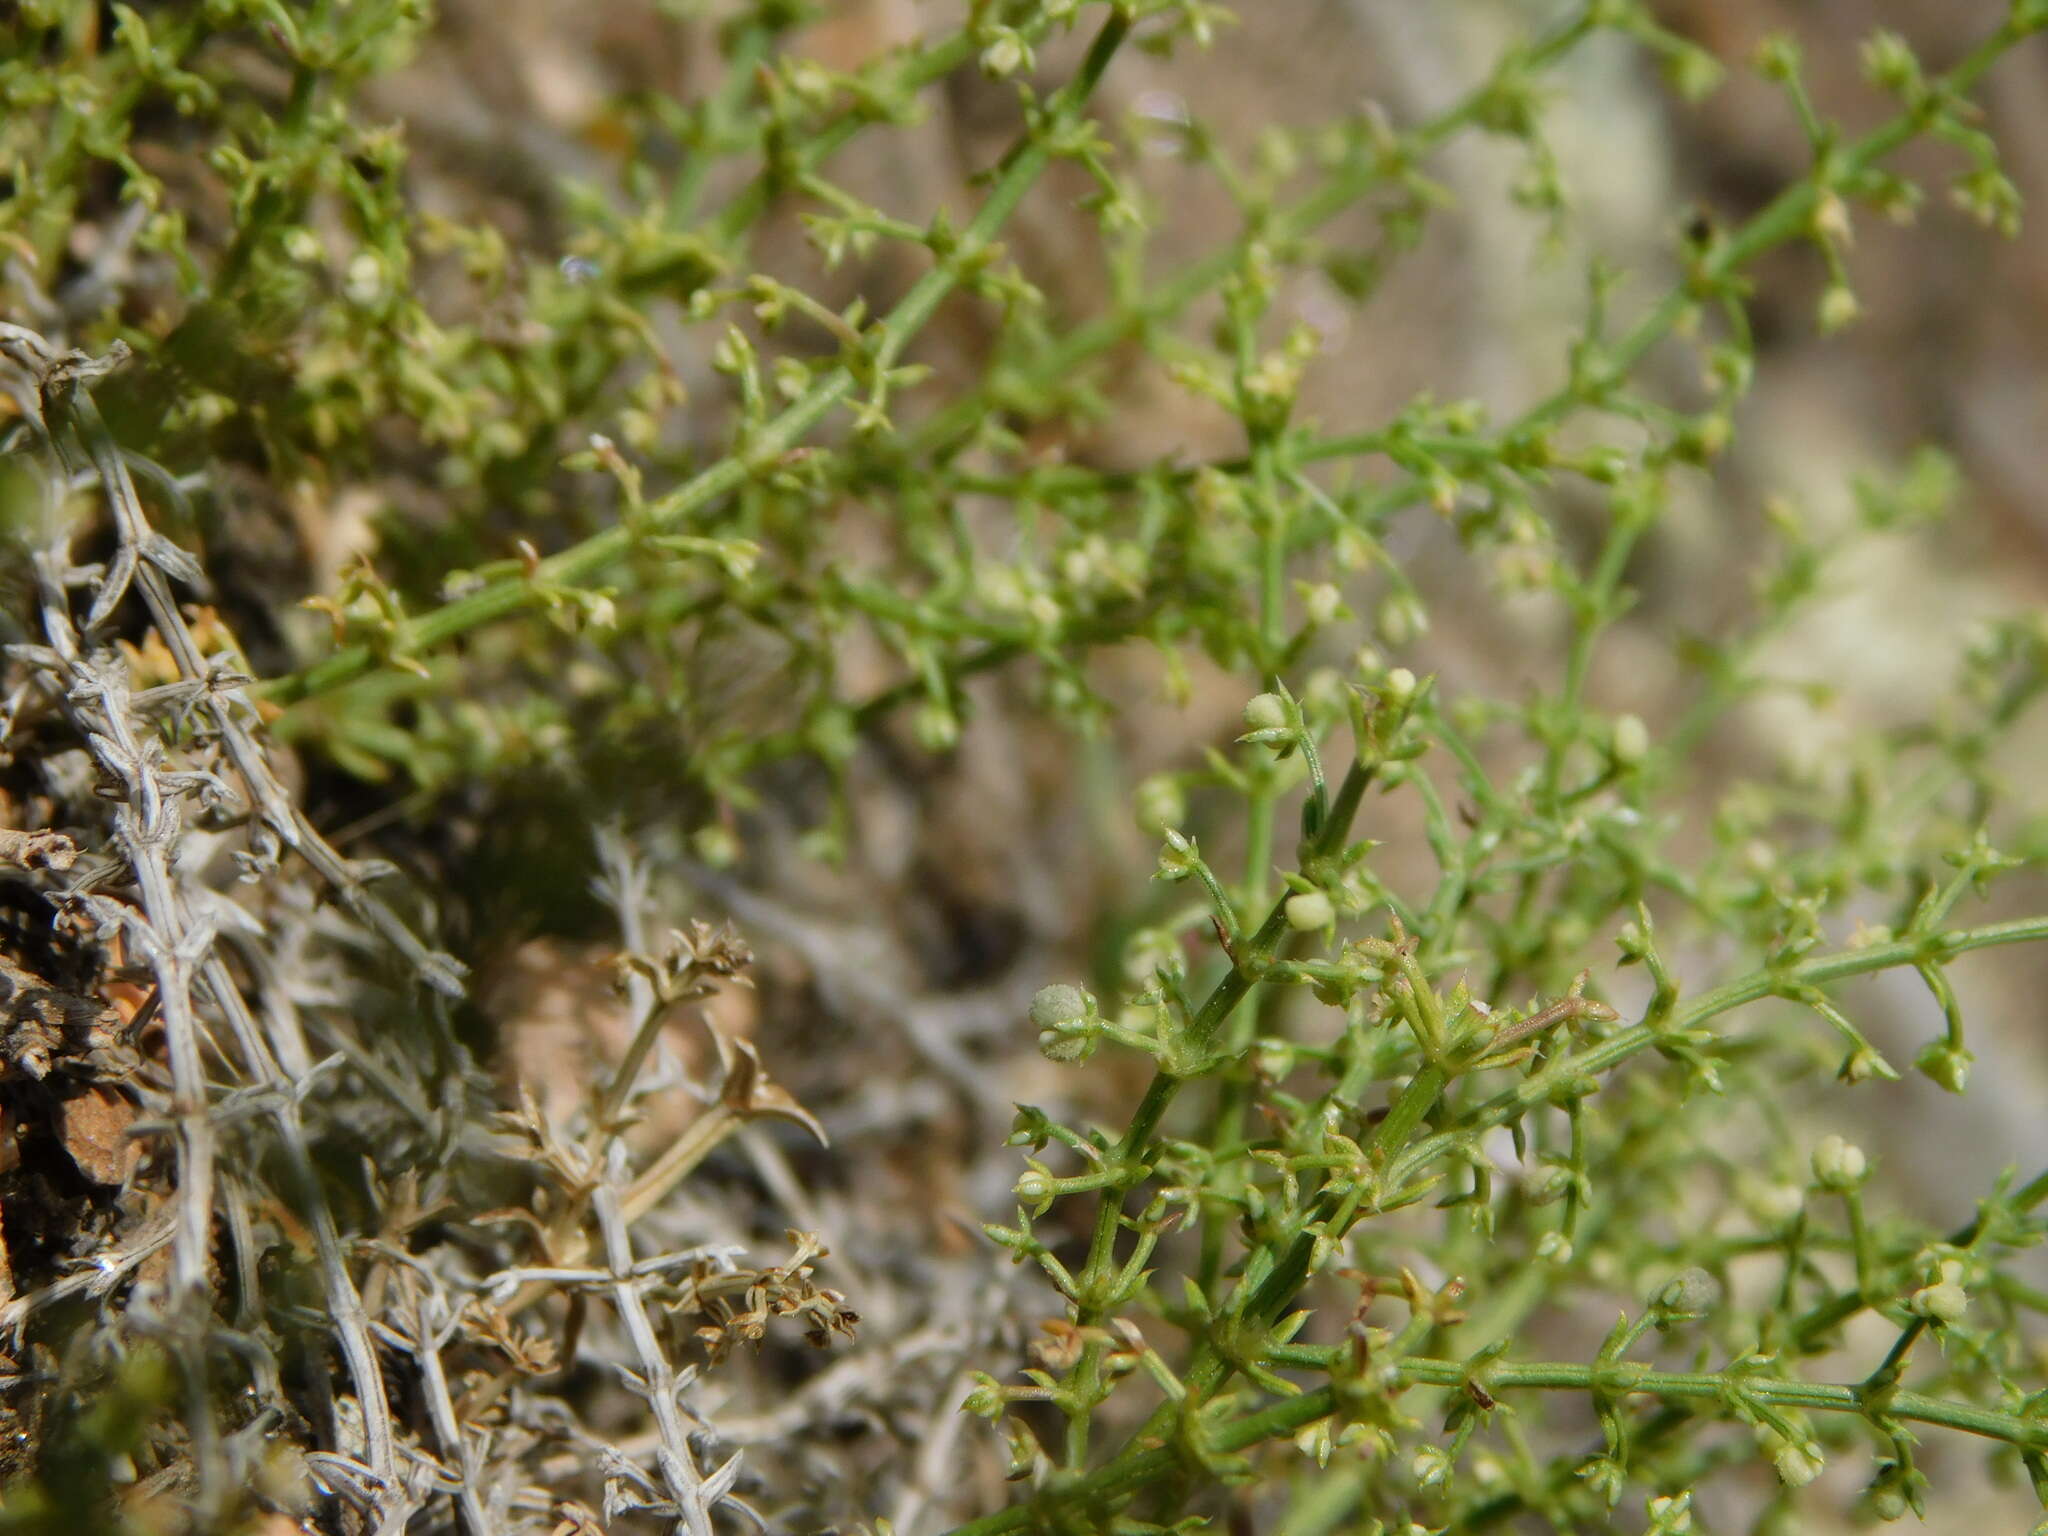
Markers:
point(1389, 1122)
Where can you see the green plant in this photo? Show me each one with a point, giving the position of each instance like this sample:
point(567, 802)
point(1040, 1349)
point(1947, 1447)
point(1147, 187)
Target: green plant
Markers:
point(1486, 1007)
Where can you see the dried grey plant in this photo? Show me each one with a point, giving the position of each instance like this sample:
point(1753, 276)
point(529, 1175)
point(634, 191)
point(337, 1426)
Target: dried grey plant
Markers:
point(171, 932)
point(237, 1057)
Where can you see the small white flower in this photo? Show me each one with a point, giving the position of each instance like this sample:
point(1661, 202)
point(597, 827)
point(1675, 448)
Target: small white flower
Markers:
point(363, 283)
point(1839, 1165)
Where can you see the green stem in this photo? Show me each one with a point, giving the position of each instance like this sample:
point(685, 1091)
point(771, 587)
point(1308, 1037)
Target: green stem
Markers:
point(1283, 228)
point(1288, 1276)
point(749, 51)
point(1252, 956)
point(1620, 1046)
point(1137, 1469)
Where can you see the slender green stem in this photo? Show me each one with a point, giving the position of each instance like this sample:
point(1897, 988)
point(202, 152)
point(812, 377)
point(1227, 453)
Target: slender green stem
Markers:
point(1620, 1046)
point(1252, 956)
point(1280, 228)
point(1139, 1468)
point(1816, 1322)
point(1291, 1272)
point(748, 52)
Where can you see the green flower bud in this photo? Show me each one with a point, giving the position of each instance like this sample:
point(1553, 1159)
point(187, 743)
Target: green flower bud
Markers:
point(1888, 1501)
point(364, 279)
point(1548, 1186)
point(1605, 1478)
point(1948, 1065)
point(1431, 1466)
point(833, 734)
point(1266, 712)
point(1693, 72)
point(1148, 952)
point(1830, 220)
point(935, 726)
point(1838, 308)
point(1401, 618)
point(1631, 741)
point(1273, 1059)
point(1322, 604)
point(1005, 56)
point(1893, 1492)
point(716, 846)
point(1778, 57)
point(1773, 1204)
point(986, 1400)
point(1670, 1514)
point(1888, 64)
point(1309, 910)
point(1797, 1465)
point(1323, 689)
point(1941, 1303)
point(734, 353)
point(1161, 803)
point(1178, 858)
point(1060, 1004)
point(1065, 1016)
point(1691, 1292)
point(1066, 1048)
